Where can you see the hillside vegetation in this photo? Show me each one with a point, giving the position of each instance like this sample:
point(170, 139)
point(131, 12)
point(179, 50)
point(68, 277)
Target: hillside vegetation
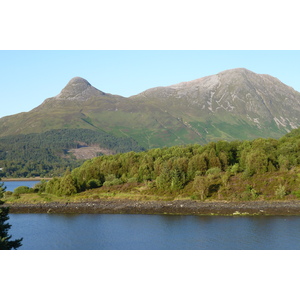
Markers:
point(47, 154)
point(233, 104)
point(237, 170)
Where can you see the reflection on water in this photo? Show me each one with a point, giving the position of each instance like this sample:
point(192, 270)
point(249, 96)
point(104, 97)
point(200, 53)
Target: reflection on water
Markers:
point(149, 232)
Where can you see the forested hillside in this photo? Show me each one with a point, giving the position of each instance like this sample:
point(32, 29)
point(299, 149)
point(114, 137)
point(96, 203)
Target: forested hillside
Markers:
point(47, 154)
point(232, 105)
point(214, 170)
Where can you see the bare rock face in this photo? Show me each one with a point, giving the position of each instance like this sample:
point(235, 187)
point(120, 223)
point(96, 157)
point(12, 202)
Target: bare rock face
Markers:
point(78, 89)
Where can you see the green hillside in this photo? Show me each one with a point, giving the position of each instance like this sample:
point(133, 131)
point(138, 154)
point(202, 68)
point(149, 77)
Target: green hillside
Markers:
point(232, 105)
point(263, 169)
point(47, 153)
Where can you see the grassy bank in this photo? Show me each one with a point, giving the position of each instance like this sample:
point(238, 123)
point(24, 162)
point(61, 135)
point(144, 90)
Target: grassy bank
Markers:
point(136, 199)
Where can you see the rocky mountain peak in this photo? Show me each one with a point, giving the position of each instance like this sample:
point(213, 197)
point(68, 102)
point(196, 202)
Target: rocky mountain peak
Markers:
point(237, 71)
point(78, 89)
point(78, 82)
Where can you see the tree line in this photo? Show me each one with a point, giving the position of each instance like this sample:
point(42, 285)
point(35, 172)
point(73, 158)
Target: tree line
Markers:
point(46, 154)
point(171, 170)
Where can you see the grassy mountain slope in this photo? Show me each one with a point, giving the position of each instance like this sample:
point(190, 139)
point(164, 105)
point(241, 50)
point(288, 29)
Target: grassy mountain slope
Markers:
point(234, 104)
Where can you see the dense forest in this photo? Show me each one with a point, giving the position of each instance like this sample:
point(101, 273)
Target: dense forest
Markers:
point(198, 171)
point(46, 154)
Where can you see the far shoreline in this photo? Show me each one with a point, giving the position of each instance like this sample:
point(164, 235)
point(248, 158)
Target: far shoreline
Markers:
point(25, 179)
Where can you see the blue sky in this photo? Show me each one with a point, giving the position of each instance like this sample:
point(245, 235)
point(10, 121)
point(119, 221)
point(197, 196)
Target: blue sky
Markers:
point(29, 77)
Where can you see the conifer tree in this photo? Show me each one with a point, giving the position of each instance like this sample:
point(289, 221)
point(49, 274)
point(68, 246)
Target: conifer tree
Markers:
point(2, 189)
point(5, 242)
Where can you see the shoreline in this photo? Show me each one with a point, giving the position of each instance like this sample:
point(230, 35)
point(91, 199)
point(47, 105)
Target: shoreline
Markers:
point(174, 207)
point(25, 179)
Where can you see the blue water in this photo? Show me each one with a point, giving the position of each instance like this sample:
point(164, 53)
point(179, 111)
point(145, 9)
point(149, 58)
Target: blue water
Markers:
point(11, 185)
point(155, 232)
point(150, 232)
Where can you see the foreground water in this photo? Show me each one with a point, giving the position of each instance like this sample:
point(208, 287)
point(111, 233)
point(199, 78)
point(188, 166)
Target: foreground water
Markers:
point(125, 232)
point(150, 232)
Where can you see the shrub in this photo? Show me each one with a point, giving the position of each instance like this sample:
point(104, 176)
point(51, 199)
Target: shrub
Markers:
point(132, 180)
point(248, 173)
point(234, 169)
point(7, 194)
point(296, 193)
point(249, 194)
point(22, 190)
point(213, 171)
point(94, 183)
point(112, 180)
point(40, 187)
point(280, 192)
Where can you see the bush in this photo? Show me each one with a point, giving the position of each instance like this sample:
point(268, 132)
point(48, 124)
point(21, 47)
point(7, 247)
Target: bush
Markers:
point(40, 187)
point(94, 183)
point(112, 180)
point(280, 191)
point(22, 190)
point(132, 180)
point(7, 194)
point(296, 193)
point(234, 169)
point(213, 171)
point(248, 173)
point(249, 194)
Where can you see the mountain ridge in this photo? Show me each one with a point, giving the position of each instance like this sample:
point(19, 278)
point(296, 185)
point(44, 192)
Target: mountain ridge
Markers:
point(233, 104)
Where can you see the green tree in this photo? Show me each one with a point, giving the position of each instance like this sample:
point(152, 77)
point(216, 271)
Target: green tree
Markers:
point(213, 160)
point(5, 242)
point(177, 179)
point(67, 184)
point(201, 186)
point(256, 162)
point(53, 186)
point(198, 163)
point(163, 181)
point(2, 189)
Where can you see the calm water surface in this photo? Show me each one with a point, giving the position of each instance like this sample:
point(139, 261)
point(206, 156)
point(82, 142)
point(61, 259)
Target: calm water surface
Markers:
point(11, 185)
point(150, 232)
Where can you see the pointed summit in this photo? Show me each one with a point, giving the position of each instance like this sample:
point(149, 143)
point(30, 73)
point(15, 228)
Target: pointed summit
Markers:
point(78, 89)
point(233, 104)
point(78, 82)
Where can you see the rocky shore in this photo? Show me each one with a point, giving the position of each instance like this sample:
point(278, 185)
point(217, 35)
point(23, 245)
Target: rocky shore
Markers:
point(179, 207)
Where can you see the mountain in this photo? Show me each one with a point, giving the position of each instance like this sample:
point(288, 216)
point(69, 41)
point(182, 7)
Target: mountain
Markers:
point(233, 104)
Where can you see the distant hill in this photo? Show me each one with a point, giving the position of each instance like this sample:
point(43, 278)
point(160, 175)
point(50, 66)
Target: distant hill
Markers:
point(51, 152)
